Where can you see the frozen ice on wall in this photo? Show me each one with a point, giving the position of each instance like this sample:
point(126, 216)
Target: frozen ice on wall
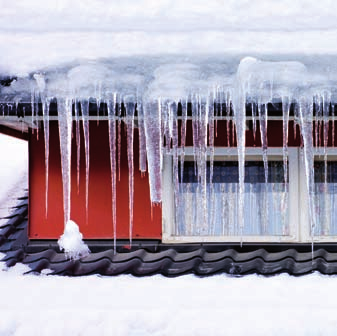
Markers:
point(264, 81)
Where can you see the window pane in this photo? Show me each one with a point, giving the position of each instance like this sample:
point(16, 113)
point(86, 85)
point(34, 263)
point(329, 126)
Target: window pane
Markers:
point(214, 210)
point(325, 199)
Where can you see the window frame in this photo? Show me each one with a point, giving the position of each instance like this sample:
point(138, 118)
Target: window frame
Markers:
point(305, 233)
point(230, 154)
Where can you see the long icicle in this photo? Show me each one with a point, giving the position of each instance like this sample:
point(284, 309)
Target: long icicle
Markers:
point(285, 115)
point(112, 144)
point(306, 118)
point(64, 107)
point(45, 111)
point(130, 109)
point(41, 84)
point(78, 146)
point(85, 120)
point(142, 140)
point(263, 116)
point(210, 107)
point(154, 141)
point(71, 241)
point(239, 103)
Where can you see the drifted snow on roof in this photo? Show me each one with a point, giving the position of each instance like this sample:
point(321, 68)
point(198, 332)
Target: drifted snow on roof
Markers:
point(40, 34)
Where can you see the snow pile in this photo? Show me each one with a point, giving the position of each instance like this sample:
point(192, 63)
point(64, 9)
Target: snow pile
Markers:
point(71, 242)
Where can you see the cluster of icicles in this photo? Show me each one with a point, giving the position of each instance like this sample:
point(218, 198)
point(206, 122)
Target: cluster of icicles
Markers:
point(157, 120)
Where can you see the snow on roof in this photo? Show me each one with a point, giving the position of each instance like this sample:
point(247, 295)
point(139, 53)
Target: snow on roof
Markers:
point(167, 15)
point(39, 34)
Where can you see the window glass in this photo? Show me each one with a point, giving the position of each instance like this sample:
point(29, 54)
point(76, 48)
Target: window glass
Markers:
point(214, 210)
point(325, 199)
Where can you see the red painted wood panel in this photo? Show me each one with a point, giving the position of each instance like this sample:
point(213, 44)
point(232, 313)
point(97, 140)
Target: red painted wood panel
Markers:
point(99, 224)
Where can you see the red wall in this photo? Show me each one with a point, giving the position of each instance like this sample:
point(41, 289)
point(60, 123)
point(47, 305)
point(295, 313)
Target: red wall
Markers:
point(99, 224)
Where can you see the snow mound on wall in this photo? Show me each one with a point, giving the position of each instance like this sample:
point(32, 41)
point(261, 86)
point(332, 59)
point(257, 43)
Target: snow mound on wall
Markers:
point(71, 242)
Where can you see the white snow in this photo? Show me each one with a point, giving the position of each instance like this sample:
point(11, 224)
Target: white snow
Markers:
point(13, 173)
point(164, 15)
point(126, 305)
point(40, 34)
point(71, 242)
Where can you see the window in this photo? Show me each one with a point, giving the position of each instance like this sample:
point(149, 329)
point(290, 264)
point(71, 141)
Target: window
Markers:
point(276, 211)
point(323, 215)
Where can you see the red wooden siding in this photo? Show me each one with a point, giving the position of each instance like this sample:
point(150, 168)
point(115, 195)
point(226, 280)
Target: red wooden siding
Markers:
point(99, 225)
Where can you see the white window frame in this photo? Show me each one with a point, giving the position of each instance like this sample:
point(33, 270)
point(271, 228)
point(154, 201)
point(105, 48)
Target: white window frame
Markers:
point(168, 214)
point(303, 197)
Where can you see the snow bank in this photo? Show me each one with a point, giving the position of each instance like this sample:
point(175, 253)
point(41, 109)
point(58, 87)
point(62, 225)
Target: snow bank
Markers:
point(125, 305)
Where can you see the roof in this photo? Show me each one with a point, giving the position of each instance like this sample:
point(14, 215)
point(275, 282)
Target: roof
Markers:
point(152, 257)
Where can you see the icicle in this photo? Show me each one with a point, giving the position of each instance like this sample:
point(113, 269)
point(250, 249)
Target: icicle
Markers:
point(85, 121)
point(37, 96)
point(166, 125)
point(32, 104)
point(296, 119)
point(64, 107)
point(240, 125)
point(130, 109)
point(45, 111)
point(195, 129)
point(41, 84)
point(78, 146)
point(142, 139)
point(152, 123)
point(228, 118)
point(254, 120)
point(333, 123)
point(173, 111)
point(200, 142)
point(285, 117)
point(263, 114)
point(210, 113)
point(112, 145)
point(71, 241)
point(119, 140)
point(318, 118)
point(98, 103)
point(306, 118)
point(183, 136)
point(326, 111)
